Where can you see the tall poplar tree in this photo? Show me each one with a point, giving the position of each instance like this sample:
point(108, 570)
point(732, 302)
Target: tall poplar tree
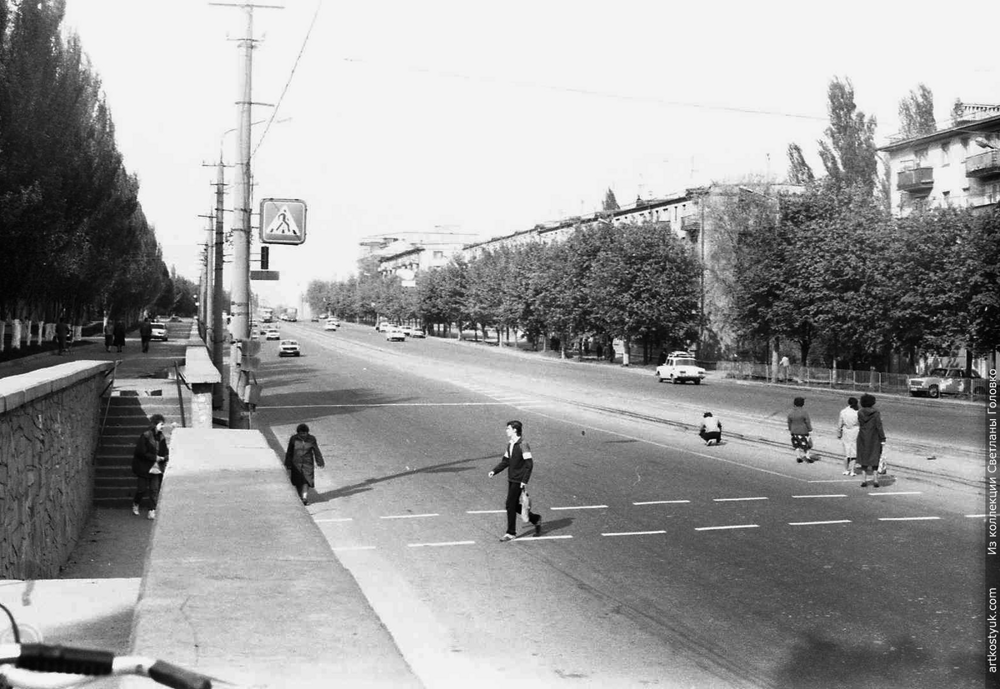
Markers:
point(848, 151)
point(916, 113)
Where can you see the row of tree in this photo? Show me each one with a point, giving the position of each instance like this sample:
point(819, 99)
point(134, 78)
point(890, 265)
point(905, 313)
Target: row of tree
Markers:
point(71, 227)
point(635, 283)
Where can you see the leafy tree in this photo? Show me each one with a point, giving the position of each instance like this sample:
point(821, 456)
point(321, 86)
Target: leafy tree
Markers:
point(799, 171)
point(848, 152)
point(916, 113)
point(610, 202)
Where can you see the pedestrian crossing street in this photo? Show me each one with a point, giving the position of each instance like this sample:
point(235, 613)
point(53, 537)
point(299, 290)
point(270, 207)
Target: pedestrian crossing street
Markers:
point(333, 525)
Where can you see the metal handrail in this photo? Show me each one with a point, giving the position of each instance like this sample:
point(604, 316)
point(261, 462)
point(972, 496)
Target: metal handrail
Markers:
point(107, 407)
point(180, 395)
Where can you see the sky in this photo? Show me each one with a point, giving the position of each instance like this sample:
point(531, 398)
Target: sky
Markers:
point(488, 118)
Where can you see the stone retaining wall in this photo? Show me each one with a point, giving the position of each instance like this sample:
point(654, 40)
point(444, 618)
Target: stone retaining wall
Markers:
point(49, 430)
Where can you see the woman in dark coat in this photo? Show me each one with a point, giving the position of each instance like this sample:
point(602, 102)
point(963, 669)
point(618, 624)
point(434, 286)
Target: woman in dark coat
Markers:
point(148, 461)
point(871, 438)
point(119, 335)
point(301, 457)
point(109, 335)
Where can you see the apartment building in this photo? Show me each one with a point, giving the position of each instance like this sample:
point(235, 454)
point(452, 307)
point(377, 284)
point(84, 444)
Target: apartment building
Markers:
point(956, 165)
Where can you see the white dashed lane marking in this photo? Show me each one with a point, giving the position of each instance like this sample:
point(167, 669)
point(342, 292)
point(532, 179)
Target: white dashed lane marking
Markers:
point(662, 502)
point(906, 519)
point(581, 507)
point(975, 516)
point(439, 545)
point(327, 520)
point(898, 492)
point(724, 528)
point(409, 516)
point(486, 511)
point(735, 499)
point(833, 521)
point(540, 538)
point(833, 495)
point(347, 548)
point(635, 533)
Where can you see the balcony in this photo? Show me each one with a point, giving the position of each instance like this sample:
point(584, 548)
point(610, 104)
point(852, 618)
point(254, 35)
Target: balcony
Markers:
point(983, 164)
point(917, 181)
point(691, 226)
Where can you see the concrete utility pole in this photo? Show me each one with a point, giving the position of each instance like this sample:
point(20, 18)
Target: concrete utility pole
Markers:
point(218, 338)
point(242, 199)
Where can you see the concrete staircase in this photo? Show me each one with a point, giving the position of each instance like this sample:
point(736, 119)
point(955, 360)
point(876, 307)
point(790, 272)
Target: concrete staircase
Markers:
point(128, 407)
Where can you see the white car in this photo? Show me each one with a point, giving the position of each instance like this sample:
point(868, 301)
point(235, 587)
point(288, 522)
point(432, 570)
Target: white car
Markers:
point(159, 331)
point(288, 348)
point(680, 367)
point(330, 324)
point(395, 334)
point(411, 331)
point(273, 334)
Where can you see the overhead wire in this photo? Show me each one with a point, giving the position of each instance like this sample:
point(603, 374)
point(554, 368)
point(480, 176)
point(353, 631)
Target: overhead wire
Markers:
point(591, 92)
point(288, 82)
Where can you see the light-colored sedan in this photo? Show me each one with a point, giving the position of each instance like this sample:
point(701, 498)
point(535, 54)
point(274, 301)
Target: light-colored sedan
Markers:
point(273, 334)
point(395, 334)
point(947, 381)
point(412, 331)
point(288, 348)
point(680, 367)
point(330, 324)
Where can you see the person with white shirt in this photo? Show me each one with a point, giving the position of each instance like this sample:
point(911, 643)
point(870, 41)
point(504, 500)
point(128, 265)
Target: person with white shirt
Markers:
point(711, 429)
point(847, 431)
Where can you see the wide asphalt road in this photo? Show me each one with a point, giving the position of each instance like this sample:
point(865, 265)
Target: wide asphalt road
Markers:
point(661, 563)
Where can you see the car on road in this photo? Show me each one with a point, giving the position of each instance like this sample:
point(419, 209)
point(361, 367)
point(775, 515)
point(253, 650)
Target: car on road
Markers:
point(413, 331)
point(680, 367)
point(288, 348)
point(159, 331)
point(314, 318)
point(384, 326)
point(395, 334)
point(946, 381)
point(273, 334)
point(330, 324)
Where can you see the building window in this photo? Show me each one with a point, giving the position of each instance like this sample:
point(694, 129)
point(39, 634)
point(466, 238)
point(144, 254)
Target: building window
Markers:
point(946, 197)
point(921, 157)
point(945, 154)
point(438, 254)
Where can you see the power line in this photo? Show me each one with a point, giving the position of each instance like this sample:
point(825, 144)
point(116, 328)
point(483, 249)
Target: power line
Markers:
point(590, 92)
point(274, 113)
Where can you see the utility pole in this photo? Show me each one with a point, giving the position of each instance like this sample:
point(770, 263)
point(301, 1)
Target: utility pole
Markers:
point(217, 337)
point(242, 198)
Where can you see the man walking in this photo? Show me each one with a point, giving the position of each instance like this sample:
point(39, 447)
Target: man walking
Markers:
point(145, 333)
point(518, 462)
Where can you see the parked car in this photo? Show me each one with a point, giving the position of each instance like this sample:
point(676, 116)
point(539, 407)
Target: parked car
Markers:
point(273, 334)
point(946, 381)
point(411, 331)
point(330, 324)
point(680, 367)
point(395, 334)
point(159, 331)
point(384, 326)
point(288, 348)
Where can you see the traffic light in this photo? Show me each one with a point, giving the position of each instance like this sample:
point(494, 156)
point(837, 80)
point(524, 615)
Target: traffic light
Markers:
point(264, 257)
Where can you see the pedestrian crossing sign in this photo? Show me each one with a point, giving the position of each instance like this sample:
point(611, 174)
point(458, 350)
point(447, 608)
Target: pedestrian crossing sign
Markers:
point(282, 221)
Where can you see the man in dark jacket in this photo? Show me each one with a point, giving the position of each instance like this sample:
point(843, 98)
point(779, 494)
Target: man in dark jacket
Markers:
point(518, 462)
point(145, 333)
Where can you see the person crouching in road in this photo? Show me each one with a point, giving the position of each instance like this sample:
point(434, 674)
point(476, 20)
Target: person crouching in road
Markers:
point(518, 462)
point(301, 457)
point(711, 429)
point(148, 462)
point(800, 426)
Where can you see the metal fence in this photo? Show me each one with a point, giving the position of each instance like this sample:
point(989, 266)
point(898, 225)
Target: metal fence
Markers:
point(835, 379)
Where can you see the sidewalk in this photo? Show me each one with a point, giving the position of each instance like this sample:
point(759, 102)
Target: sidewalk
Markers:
point(92, 602)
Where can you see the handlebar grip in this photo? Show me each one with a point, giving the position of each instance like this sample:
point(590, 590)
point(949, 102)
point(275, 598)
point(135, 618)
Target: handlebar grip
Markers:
point(80, 661)
point(177, 677)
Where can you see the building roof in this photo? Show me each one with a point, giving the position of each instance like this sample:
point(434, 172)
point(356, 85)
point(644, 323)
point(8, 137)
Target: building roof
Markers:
point(976, 119)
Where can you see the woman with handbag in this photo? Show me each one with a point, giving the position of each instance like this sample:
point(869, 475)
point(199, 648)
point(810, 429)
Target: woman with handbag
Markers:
point(800, 428)
point(871, 439)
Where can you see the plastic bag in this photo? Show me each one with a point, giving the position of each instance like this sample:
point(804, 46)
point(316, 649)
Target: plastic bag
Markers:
point(525, 505)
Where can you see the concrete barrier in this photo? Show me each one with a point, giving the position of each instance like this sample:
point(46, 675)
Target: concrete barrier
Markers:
point(201, 374)
point(241, 585)
point(49, 428)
